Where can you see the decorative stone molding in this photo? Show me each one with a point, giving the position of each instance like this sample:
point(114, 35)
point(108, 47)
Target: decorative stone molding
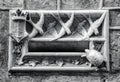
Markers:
point(60, 40)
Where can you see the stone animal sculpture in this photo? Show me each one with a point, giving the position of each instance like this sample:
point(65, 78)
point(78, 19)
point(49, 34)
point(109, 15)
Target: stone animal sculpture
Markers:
point(94, 57)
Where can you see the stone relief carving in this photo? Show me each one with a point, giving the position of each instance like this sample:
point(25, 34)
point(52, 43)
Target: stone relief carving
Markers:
point(64, 39)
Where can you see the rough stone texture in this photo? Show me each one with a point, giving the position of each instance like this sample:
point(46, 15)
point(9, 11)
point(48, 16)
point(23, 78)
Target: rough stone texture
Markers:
point(40, 4)
point(9, 4)
point(114, 48)
point(115, 18)
point(72, 79)
point(79, 4)
point(3, 45)
point(113, 77)
point(58, 77)
point(111, 3)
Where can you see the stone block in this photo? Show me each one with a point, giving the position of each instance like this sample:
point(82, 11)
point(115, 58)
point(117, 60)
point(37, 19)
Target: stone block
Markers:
point(4, 24)
point(114, 18)
point(11, 4)
point(111, 3)
point(114, 49)
point(40, 4)
point(79, 4)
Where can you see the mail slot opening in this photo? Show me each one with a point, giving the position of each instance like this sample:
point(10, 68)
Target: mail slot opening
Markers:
point(58, 46)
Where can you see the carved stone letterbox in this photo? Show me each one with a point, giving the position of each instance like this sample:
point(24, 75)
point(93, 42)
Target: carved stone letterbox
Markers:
point(63, 40)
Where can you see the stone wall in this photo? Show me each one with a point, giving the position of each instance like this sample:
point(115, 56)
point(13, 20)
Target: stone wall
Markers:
point(6, 5)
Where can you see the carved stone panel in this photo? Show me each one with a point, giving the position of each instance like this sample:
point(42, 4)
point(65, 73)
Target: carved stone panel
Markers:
point(59, 40)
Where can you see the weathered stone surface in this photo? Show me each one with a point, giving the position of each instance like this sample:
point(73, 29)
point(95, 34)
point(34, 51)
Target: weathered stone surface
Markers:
point(113, 78)
point(4, 26)
point(3, 45)
point(72, 79)
point(115, 18)
point(40, 4)
point(8, 4)
point(115, 48)
point(46, 77)
point(79, 4)
point(55, 77)
point(111, 3)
